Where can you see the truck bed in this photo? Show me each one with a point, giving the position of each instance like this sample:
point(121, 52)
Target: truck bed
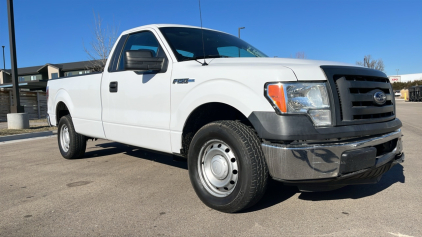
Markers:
point(85, 91)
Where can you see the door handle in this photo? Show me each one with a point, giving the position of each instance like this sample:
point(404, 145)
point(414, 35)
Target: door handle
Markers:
point(113, 86)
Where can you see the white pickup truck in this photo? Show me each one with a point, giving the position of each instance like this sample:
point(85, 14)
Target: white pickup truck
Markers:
point(238, 116)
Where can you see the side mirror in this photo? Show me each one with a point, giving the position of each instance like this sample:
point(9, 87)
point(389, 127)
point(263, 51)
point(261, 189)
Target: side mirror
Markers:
point(142, 60)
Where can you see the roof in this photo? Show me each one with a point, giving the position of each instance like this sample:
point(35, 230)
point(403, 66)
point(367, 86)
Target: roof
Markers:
point(24, 70)
point(63, 66)
point(408, 77)
point(164, 25)
point(7, 71)
point(74, 65)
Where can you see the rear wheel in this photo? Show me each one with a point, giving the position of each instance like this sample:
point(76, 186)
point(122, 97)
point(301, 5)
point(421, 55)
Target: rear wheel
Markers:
point(72, 145)
point(227, 166)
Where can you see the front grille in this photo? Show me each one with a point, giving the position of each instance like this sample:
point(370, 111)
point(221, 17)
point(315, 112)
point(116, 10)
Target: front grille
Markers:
point(369, 103)
point(366, 90)
point(372, 116)
point(356, 99)
point(366, 78)
point(352, 92)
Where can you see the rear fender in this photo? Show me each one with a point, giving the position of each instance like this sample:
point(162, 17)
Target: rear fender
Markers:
point(62, 96)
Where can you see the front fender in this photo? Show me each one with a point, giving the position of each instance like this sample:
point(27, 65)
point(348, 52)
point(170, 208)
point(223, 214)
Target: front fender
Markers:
point(220, 90)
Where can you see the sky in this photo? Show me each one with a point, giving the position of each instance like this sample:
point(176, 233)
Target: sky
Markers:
point(55, 31)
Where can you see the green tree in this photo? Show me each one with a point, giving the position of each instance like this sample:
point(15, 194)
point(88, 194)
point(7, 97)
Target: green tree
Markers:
point(406, 85)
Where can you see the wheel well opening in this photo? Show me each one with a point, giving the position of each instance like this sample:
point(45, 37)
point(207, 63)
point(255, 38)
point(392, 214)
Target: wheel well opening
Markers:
point(61, 110)
point(205, 114)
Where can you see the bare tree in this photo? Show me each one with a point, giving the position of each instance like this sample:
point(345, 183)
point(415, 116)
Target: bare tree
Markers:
point(104, 38)
point(300, 55)
point(371, 63)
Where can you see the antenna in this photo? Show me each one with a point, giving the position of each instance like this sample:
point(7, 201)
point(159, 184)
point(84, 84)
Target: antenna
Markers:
point(202, 31)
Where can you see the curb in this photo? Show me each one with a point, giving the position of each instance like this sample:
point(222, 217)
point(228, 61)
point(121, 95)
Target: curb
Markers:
point(27, 135)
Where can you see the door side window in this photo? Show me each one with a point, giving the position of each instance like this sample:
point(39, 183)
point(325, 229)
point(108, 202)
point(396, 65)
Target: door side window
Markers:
point(143, 40)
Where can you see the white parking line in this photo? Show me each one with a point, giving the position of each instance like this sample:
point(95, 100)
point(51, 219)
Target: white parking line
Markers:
point(26, 139)
point(400, 235)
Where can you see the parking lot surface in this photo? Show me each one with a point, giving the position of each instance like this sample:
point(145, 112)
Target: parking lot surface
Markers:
point(118, 190)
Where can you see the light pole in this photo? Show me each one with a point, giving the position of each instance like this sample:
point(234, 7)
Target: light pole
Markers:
point(397, 70)
point(240, 28)
point(17, 119)
point(4, 63)
point(16, 107)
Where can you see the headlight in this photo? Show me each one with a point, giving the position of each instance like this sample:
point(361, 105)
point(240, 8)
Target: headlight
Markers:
point(301, 98)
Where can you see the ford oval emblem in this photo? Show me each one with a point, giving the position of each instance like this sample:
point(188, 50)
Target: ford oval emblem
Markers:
point(380, 98)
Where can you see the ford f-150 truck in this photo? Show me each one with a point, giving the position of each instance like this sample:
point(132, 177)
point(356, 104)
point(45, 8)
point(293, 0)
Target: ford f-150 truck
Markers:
point(238, 116)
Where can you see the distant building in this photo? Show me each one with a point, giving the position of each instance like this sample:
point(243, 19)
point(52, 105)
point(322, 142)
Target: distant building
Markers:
point(37, 76)
point(405, 77)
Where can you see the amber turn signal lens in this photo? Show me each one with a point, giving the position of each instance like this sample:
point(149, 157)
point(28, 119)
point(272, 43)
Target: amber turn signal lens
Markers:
point(276, 92)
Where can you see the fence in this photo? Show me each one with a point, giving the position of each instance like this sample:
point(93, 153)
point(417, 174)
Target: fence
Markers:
point(35, 104)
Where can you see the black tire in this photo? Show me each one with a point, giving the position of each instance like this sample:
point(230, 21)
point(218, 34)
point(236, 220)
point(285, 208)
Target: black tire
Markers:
point(252, 171)
point(76, 142)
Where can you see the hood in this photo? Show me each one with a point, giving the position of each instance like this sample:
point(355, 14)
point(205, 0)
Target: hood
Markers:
point(304, 69)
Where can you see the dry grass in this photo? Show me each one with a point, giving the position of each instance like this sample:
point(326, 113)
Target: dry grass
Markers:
point(38, 121)
point(34, 128)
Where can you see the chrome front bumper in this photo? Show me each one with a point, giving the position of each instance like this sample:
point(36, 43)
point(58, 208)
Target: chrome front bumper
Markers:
point(322, 161)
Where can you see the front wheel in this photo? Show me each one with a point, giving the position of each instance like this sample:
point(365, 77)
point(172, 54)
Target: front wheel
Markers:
point(227, 166)
point(72, 145)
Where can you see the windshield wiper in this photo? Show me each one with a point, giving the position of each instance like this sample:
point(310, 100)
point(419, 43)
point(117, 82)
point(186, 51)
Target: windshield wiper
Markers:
point(206, 56)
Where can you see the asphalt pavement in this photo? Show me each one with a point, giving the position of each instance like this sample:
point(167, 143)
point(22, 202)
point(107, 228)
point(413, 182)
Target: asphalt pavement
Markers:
point(117, 190)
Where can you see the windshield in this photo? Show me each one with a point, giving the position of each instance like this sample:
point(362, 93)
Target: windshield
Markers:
point(186, 44)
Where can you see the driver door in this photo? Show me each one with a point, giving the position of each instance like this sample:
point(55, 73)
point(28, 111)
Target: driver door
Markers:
point(136, 104)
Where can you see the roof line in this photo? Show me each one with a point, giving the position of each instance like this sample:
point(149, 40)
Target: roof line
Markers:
point(5, 71)
point(48, 64)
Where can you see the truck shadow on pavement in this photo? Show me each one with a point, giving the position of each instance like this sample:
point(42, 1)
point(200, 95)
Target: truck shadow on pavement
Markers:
point(141, 153)
point(394, 175)
point(276, 192)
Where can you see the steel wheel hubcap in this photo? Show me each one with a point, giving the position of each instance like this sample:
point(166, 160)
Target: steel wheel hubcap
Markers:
point(218, 168)
point(65, 138)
